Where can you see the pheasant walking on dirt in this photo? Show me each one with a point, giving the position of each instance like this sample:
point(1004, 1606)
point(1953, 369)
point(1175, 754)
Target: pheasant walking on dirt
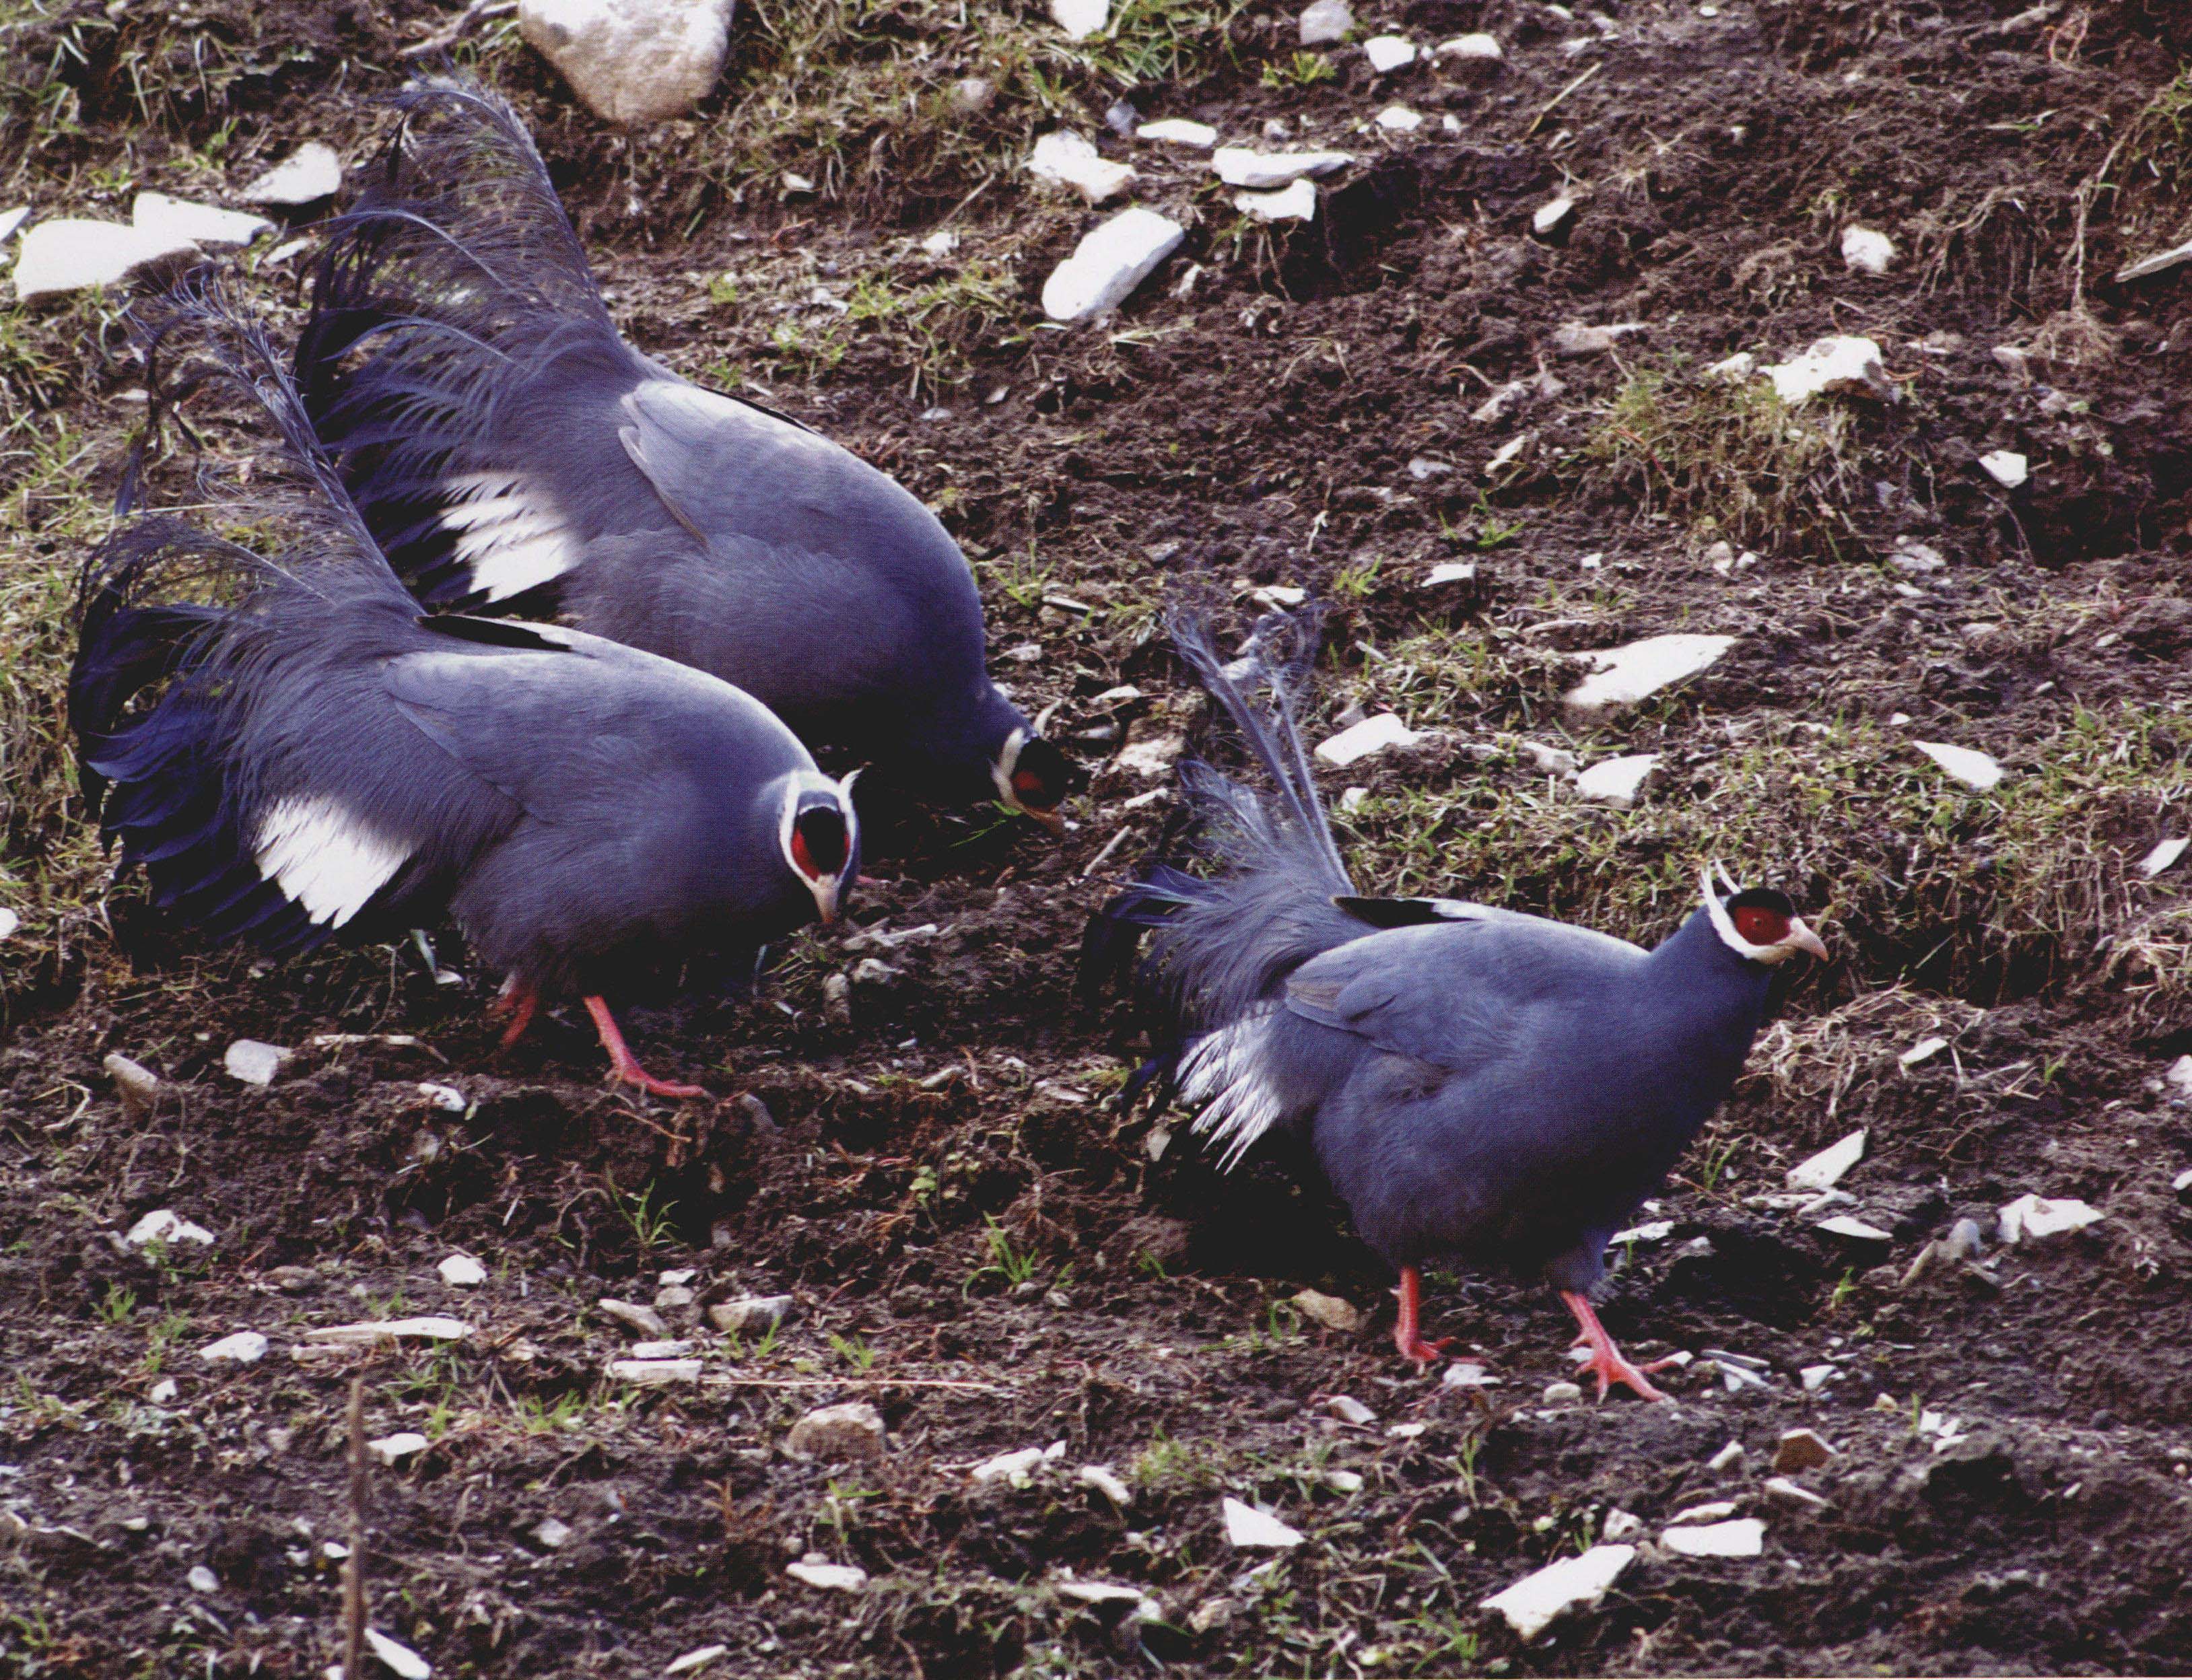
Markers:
point(1477, 1084)
point(290, 752)
point(505, 444)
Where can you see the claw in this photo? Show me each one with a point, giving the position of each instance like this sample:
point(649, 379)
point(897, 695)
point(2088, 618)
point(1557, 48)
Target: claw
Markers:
point(1606, 1362)
point(623, 1065)
point(1408, 1334)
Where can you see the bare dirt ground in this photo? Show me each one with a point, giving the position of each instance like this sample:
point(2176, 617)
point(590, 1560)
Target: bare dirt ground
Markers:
point(975, 1242)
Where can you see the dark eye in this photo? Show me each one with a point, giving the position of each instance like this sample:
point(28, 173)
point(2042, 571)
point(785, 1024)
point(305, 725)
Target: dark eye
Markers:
point(818, 841)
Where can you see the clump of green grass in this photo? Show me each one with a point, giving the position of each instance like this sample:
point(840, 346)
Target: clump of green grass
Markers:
point(1732, 461)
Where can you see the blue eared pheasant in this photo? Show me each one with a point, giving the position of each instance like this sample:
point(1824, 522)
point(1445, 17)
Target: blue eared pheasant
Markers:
point(1478, 1084)
point(505, 444)
point(290, 752)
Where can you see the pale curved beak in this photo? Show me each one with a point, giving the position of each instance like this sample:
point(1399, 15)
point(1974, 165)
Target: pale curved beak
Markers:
point(826, 892)
point(1052, 820)
point(1804, 939)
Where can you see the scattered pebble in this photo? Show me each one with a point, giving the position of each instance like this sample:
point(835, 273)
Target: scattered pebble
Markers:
point(1744, 1537)
point(72, 253)
point(1016, 1469)
point(1246, 1526)
point(1151, 757)
point(462, 1272)
point(164, 1392)
point(2179, 1076)
point(401, 1660)
point(1823, 1170)
point(1389, 52)
point(850, 1429)
point(1064, 159)
point(1710, 1512)
point(1798, 1450)
point(1278, 597)
point(12, 219)
point(1534, 1602)
point(1450, 571)
point(136, 1084)
point(427, 1329)
point(1465, 1374)
point(2038, 1218)
point(1924, 1050)
point(697, 1658)
point(1081, 19)
point(1329, 1310)
point(1973, 769)
point(1619, 1524)
point(1349, 1410)
point(1098, 1593)
point(1260, 171)
point(1576, 338)
point(1480, 48)
point(1547, 218)
point(751, 1314)
point(1111, 259)
point(1725, 1459)
point(1867, 251)
point(677, 1347)
point(245, 1347)
point(1653, 1230)
point(2006, 467)
point(1178, 131)
point(631, 63)
point(163, 1225)
point(1325, 22)
point(1107, 1482)
point(1398, 119)
point(310, 172)
point(1842, 364)
point(2164, 855)
point(1843, 1225)
point(255, 1063)
point(1293, 202)
point(941, 243)
point(1791, 1493)
point(654, 1373)
point(553, 1533)
point(392, 1449)
point(1359, 741)
point(2160, 263)
point(1625, 675)
point(1735, 369)
point(1618, 781)
point(1816, 1377)
point(1562, 1393)
point(814, 1570)
point(641, 1321)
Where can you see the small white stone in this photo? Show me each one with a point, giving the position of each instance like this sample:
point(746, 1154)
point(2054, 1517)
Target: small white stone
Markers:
point(1325, 22)
point(1110, 1592)
point(1618, 781)
point(393, 1449)
point(245, 1347)
point(1924, 1050)
point(1484, 49)
point(1278, 597)
point(1111, 259)
point(751, 1314)
point(310, 172)
point(401, 1660)
point(2006, 467)
point(12, 219)
point(426, 1329)
point(2160, 263)
point(164, 1392)
point(1533, 1603)
point(1734, 370)
point(654, 1373)
point(1405, 1432)
point(163, 1225)
point(1245, 1527)
point(1725, 1459)
point(1081, 19)
point(675, 1347)
point(1794, 1494)
point(2037, 1216)
point(1844, 364)
point(1065, 159)
point(2179, 1076)
point(1619, 1524)
point(941, 243)
point(70, 254)
point(1329, 1310)
point(1107, 1482)
point(1562, 1393)
point(1652, 1231)
point(632, 62)
point(1867, 251)
point(1823, 1170)
point(1622, 676)
point(1464, 1374)
point(1710, 1512)
point(850, 1429)
point(1398, 119)
point(254, 1063)
point(1151, 757)
point(553, 1533)
point(697, 1658)
point(1973, 769)
point(2164, 855)
point(9, 921)
point(1816, 1377)
point(1296, 202)
point(1261, 171)
point(1577, 338)
point(1842, 1225)
point(1507, 453)
point(462, 1272)
point(180, 221)
point(1178, 131)
point(828, 1577)
point(1549, 216)
point(1801, 1450)
point(1349, 1410)
point(1450, 571)
point(1359, 741)
point(1389, 52)
point(202, 1580)
point(1744, 1537)
point(1016, 1469)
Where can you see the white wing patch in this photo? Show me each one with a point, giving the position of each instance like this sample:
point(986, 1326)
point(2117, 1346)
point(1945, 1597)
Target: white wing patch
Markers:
point(508, 533)
point(1223, 1076)
point(324, 858)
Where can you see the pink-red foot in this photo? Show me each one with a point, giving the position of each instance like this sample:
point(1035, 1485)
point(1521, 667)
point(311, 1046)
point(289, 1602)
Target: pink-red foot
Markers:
point(1407, 1331)
point(515, 1004)
point(623, 1065)
point(1606, 1362)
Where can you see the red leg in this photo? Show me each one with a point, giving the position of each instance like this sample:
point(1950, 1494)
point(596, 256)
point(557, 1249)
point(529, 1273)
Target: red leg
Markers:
point(623, 1063)
point(1606, 1362)
point(516, 1002)
point(1407, 1331)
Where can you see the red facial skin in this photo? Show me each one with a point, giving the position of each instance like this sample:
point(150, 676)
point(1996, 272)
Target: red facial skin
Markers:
point(1761, 926)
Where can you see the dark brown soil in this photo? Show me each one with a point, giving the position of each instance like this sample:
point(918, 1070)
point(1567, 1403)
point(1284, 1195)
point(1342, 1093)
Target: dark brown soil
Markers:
point(976, 1242)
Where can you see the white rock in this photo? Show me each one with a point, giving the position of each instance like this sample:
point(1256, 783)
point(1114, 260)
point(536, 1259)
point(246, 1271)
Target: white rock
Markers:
point(254, 1063)
point(1973, 769)
point(1064, 159)
point(1110, 1592)
point(1277, 598)
point(2006, 467)
point(1562, 1393)
point(1325, 22)
point(941, 243)
point(447, 1098)
point(1549, 216)
point(1450, 571)
point(1081, 19)
point(401, 1660)
point(1534, 1602)
point(310, 172)
point(1359, 741)
point(2164, 855)
point(828, 1577)
point(2160, 263)
point(697, 1658)
point(1792, 1493)
point(462, 1272)
point(1506, 453)
point(1735, 368)
point(552, 1532)
point(12, 219)
point(632, 62)
point(181, 222)
point(1577, 338)
point(1463, 1374)
point(1294, 204)
point(1622, 676)
point(245, 1347)
point(9, 921)
point(1398, 119)
point(1725, 1459)
point(363, 1333)
point(642, 1321)
point(675, 1348)
point(1924, 1050)
point(1350, 801)
point(1483, 49)
point(1239, 166)
point(1712, 1511)
point(2179, 1076)
point(1823, 1170)
point(1652, 1231)
point(1867, 251)
point(1618, 781)
point(654, 1373)
point(70, 254)
point(202, 1580)
point(1150, 757)
point(1816, 1377)
point(1178, 131)
point(1016, 1469)
point(1106, 1481)
point(1840, 364)
point(1842, 1225)
point(1349, 1410)
point(751, 1314)
point(1111, 259)
point(1620, 1524)
point(850, 1429)
point(393, 1449)
point(1744, 1537)
point(163, 1225)
point(1389, 52)
point(1246, 1526)
point(2037, 1216)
